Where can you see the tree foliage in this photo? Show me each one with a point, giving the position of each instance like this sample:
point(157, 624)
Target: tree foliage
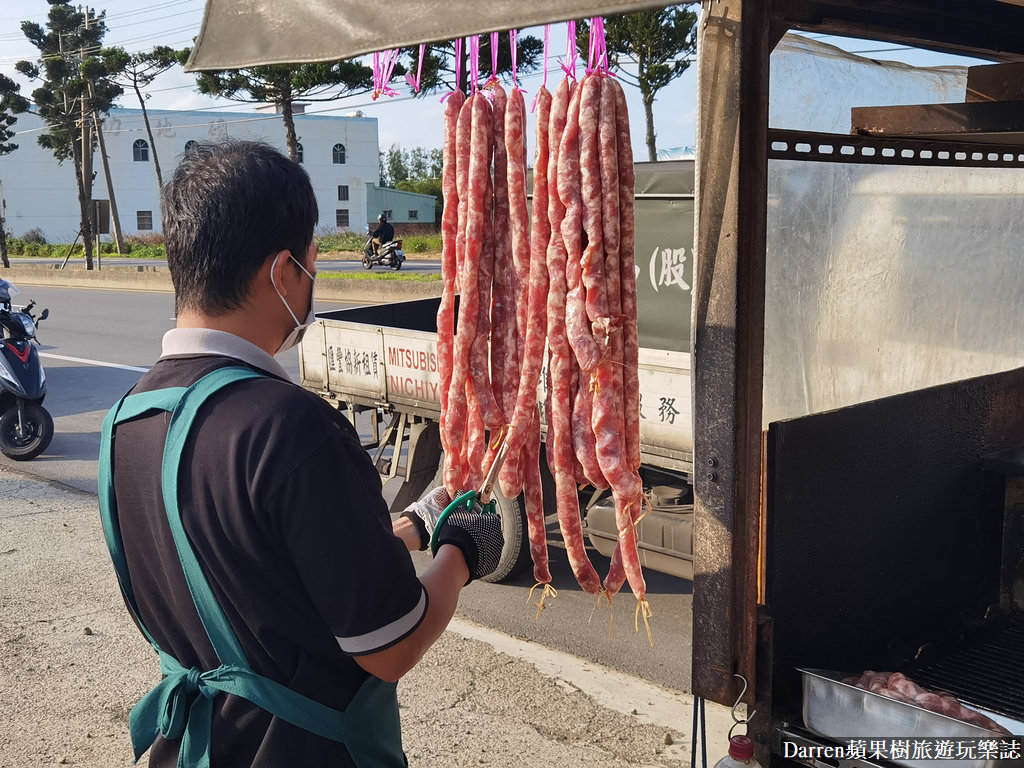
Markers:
point(73, 82)
point(659, 42)
point(137, 71)
point(285, 84)
point(399, 165)
point(12, 103)
point(416, 170)
point(66, 65)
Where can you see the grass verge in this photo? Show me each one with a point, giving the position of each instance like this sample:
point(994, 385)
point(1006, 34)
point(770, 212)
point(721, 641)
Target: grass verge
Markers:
point(415, 277)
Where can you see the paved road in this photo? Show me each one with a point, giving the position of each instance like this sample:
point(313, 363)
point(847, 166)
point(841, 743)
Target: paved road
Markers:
point(96, 344)
point(326, 263)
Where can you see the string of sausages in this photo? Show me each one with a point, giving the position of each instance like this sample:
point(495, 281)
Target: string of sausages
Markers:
point(560, 279)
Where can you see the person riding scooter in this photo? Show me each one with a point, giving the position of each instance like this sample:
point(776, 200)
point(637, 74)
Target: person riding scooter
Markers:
point(384, 233)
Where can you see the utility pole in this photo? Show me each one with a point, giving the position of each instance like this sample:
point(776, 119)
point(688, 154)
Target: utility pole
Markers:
point(3, 227)
point(87, 172)
point(86, 133)
point(76, 156)
point(105, 161)
point(118, 238)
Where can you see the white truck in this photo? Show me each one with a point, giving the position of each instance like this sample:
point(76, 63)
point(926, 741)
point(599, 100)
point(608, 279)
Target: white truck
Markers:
point(380, 362)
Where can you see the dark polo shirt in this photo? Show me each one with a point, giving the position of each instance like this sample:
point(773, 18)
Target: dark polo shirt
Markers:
point(283, 508)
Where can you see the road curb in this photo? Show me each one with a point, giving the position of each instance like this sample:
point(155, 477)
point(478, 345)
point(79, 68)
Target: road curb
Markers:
point(150, 278)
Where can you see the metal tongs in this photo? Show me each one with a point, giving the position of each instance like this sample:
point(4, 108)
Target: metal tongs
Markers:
point(471, 498)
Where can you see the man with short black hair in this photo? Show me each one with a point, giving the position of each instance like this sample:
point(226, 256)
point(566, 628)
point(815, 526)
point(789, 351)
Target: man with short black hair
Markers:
point(245, 521)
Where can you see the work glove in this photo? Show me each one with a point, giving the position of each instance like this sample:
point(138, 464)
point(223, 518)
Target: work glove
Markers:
point(425, 513)
point(476, 533)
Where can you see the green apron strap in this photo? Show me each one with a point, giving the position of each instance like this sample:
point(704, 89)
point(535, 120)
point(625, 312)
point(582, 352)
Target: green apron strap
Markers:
point(134, 405)
point(181, 705)
point(223, 639)
point(128, 407)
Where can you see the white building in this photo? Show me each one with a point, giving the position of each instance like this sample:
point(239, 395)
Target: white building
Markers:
point(339, 153)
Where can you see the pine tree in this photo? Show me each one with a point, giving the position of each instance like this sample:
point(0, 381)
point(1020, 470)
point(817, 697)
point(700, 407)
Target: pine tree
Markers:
point(659, 42)
point(12, 103)
point(138, 71)
point(73, 84)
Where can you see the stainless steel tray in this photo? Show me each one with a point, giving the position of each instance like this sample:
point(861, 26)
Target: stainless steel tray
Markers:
point(837, 710)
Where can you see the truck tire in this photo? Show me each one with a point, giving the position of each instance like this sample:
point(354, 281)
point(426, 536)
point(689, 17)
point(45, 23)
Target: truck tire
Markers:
point(515, 555)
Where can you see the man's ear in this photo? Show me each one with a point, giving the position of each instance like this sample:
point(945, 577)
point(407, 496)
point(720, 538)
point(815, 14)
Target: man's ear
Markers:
point(276, 264)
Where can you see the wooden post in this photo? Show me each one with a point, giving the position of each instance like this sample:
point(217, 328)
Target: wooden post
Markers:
point(116, 220)
point(728, 340)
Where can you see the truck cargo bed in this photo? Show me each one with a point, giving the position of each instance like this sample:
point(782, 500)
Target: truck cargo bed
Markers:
point(386, 356)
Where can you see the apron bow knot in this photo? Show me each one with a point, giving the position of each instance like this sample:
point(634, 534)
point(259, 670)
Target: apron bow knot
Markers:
point(192, 678)
point(179, 707)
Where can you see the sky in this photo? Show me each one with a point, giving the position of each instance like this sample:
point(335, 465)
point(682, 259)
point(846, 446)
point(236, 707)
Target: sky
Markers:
point(138, 25)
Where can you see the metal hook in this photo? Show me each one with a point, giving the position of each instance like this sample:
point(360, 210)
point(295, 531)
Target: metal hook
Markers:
point(735, 718)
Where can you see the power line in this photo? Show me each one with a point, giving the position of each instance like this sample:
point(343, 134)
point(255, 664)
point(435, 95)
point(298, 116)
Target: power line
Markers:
point(97, 48)
point(337, 108)
point(149, 20)
point(120, 15)
point(146, 9)
point(254, 119)
point(20, 37)
point(554, 68)
point(161, 33)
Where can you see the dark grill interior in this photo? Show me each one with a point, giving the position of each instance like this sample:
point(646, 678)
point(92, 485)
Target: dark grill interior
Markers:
point(987, 671)
point(885, 535)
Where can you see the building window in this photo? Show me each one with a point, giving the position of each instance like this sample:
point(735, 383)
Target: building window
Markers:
point(414, 215)
point(339, 154)
point(140, 151)
point(341, 217)
point(343, 191)
point(298, 153)
point(389, 214)
point(189, 145)
point(143, 220)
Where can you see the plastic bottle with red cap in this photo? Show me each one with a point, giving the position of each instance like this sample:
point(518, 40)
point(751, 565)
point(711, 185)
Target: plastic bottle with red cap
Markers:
point(741, 754)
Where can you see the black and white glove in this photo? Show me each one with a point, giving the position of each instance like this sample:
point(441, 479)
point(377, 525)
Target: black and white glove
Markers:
point(476, 533)
point(425, 513)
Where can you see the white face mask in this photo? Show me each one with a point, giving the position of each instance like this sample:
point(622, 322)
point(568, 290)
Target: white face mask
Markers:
point(297, 332)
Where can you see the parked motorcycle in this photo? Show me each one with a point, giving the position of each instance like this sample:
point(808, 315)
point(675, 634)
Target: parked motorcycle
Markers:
point(390, 254)
point(26, 428)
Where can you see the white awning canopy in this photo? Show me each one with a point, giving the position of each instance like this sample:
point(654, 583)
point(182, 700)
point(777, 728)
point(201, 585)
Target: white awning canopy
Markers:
point(242, 33)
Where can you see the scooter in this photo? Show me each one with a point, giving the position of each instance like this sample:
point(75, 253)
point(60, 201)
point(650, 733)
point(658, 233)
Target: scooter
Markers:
point(26, 428)
point(390, 254)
